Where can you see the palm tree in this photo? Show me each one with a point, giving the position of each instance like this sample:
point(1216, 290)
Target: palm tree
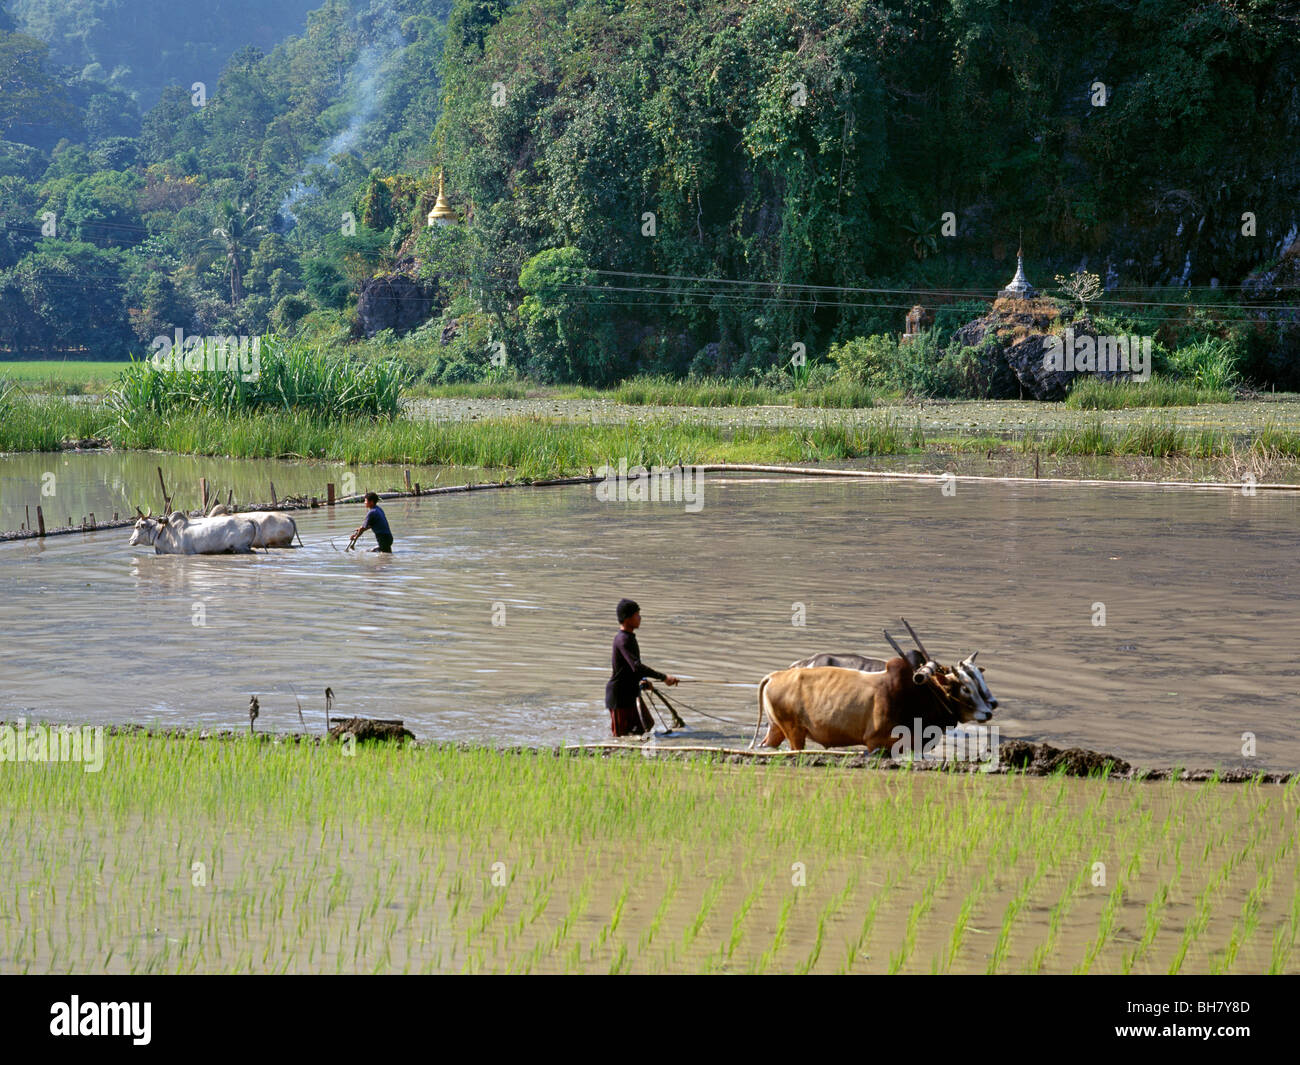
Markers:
point(232, 233)
point(924, 239)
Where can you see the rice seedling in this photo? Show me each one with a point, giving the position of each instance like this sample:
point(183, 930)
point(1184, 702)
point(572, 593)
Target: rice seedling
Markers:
point(380, 863)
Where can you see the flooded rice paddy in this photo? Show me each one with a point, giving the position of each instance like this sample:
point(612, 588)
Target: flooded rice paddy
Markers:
point(492, 620)
point(187, 856)
point(932, 415)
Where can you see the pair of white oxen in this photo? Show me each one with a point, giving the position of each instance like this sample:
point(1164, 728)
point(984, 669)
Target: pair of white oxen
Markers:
point(220, 533)
point(848, 699)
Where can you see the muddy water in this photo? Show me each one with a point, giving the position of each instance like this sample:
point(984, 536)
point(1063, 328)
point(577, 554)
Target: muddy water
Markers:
point(493, 619)
point(77, 484)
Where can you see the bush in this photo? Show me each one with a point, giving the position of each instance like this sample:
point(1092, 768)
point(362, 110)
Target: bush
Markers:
point(872, 361)
point(1212, 363)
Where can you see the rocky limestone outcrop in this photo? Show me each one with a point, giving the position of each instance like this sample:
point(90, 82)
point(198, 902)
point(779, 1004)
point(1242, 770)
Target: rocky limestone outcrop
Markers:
point(395, 301)
point(1017, 335)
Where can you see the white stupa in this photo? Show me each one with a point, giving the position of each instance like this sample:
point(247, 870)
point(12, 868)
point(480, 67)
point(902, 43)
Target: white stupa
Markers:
point(1019, 287)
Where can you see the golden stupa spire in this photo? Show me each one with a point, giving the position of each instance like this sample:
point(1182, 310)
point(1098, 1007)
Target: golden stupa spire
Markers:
point(442, 214)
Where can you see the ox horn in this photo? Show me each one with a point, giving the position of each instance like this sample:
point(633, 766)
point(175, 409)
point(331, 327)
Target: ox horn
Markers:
point(894, 644)
point(917, 639)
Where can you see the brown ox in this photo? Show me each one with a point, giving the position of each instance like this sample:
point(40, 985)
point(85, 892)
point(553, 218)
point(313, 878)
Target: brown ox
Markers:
point(845, 707)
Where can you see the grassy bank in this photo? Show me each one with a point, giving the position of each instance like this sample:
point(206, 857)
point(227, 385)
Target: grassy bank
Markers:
point(648, 391)
point(217, 856)
point(532, 446)
point(71, 377)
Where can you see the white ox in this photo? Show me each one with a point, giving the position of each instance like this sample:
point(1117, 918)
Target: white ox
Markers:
point(274, 528)
point(206, 536)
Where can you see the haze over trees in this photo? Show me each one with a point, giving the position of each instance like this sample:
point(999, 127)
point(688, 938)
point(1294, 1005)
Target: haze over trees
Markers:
point(601, 153)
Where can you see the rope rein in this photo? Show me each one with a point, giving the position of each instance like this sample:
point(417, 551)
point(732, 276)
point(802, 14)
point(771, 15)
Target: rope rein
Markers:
point(688, 706)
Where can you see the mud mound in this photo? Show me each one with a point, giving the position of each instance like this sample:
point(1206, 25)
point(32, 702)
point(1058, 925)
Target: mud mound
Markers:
point(1043, 758)
point(364, 729)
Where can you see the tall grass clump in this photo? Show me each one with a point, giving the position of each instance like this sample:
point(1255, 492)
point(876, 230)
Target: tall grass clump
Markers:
point(1093, 393)
point(1212, 363)
point(287, 376)
point(43, 423)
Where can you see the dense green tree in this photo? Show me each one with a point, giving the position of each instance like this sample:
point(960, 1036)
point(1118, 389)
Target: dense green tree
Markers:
point(66, 297)
point(34, 105)
point(104, 210)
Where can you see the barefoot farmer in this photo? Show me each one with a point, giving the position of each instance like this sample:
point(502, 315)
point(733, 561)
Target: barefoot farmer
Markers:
point(377, 521)
point(627, 714)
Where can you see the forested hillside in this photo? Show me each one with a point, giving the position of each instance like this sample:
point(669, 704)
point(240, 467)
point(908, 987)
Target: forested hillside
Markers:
point(185, 217)
point(142, 46)
point(821, 166)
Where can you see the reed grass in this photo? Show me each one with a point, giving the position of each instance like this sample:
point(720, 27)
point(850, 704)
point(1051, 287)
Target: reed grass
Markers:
point(1093, 393)
point(289, 377)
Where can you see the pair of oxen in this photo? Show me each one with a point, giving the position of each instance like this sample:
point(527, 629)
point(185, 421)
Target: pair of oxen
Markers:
point(219, 533)
point(844, 700)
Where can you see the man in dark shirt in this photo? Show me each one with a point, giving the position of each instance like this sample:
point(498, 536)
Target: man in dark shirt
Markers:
point(627, 713)
point(376, 520)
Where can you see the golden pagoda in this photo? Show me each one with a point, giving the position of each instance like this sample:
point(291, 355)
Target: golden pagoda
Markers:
point(442, 214)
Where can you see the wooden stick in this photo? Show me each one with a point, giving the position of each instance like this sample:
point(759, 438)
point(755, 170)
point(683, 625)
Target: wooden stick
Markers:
point(752, 753)
point(167, 500)
point(203, 491)
point(329, 494)
point(407, 475)
point(40, 519)
point(274, 501)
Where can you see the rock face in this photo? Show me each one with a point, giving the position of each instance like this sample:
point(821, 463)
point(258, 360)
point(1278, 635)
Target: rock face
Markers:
point(1276, 281)
point(395, 302)
point(1017, 335)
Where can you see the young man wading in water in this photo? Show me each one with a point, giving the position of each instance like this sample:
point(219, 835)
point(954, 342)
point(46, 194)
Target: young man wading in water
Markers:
point(627, 713)
point(376, 520)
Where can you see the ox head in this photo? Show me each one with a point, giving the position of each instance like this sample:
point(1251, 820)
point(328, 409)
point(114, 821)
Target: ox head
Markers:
point(975, 675)
point(963, 685)
point(969, 697)
point(146, 529)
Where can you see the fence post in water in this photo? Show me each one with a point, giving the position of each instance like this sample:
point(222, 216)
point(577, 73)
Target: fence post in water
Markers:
point(40, 519)
point(407, 475)
point(274, 501)
point(329, 493)
point(417, 488)
point(167, 500)
point(92, 519)
point(203, 491)
point(28, 511)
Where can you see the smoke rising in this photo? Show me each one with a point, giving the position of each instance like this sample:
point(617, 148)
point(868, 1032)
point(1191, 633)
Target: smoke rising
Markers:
point(366, 82)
